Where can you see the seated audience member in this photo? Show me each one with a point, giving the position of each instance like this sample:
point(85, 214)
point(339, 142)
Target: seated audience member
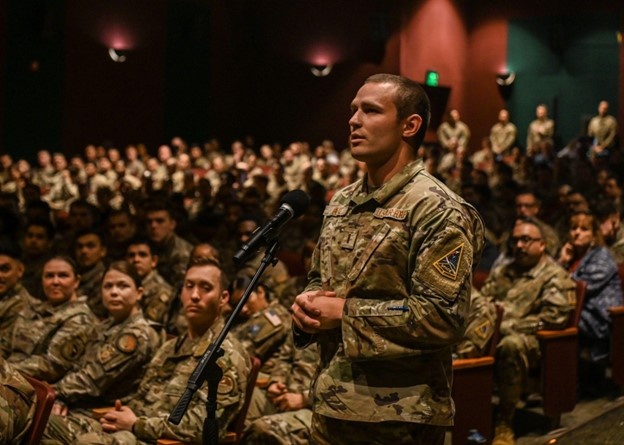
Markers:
point(503, 134)
point(38, 244)
point(281, 411)
point(157, 295)
point(13, 295)
point(480, 327)
point(48, 337)
point(112, 364)
point(121, 228)
point(175, 319)
point(541, 130)
point(574, 201)
point(586, 258)
point(296, 284)
point(274, 276)
point(90, 251)
point(453, 131)
point(535, 292)
point(611, 228)
point(263, 324)
point(173, 251)
point(17, 405)
point(144, 419)
point(528, 205)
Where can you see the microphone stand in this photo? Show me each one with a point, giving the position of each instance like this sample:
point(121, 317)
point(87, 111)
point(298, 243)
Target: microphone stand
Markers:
point(207, 368)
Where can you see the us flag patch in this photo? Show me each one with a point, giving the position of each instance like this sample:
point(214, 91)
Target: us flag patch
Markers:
point(448, 265)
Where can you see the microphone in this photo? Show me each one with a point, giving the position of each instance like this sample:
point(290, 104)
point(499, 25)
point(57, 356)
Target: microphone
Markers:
point(293, 204)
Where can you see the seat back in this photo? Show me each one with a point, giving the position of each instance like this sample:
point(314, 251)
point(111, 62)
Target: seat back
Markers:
point(45, 400)
point(235, 434)
point(581, 291)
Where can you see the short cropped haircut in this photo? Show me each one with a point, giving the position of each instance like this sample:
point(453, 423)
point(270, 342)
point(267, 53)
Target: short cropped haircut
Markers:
point(201, 261)
point(410, 98)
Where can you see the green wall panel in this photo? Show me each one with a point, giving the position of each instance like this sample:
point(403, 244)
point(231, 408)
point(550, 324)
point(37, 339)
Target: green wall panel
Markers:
point(568, 63)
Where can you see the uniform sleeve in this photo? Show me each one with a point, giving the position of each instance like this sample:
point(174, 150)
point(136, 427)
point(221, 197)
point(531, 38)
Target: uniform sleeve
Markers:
point(432, 317)
point(67, 345)
point(230, 396)
point(119, 360)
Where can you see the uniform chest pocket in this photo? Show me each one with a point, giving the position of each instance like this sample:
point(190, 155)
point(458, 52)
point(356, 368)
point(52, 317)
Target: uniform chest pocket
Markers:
point(372, 244)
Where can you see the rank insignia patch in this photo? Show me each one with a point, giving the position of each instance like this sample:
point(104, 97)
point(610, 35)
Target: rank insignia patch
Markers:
point(448, 265)
point(483, 329)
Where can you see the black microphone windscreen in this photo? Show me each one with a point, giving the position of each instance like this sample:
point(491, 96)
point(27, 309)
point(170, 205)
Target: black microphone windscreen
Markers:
point(298, 200)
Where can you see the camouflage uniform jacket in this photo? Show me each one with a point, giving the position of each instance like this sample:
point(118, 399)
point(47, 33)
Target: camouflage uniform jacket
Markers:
point(157, 297)
point(17, 405)
point(295, 367)
point(46, 340)
point(172, 260)
point(91, 286)
point(264, 332)
point(11, 304)
point(402, 256)
point(542, 297)
point(112, 365)
point(166, 379)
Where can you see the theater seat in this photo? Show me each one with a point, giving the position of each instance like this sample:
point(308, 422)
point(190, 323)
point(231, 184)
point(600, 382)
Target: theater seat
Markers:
point(45, 397)
point(473, 384)
point(617, 337)
point(559, 363)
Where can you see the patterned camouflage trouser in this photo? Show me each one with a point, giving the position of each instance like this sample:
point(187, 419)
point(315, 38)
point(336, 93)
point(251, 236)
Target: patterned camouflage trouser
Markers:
point(328, 431)
point(515, 355)
point(119, 438)
point(62, 430)
point(290, 428)
point(16, 415)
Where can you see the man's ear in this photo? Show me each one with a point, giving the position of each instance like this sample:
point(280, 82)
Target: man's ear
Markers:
point(411, 125)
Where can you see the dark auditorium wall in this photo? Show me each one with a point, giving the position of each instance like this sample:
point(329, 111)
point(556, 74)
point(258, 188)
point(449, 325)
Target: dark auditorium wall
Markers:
point(3, 39)
point(113, 102)
point(32, 77)
point(569, 63)
point(240, 67)
point(262, 53)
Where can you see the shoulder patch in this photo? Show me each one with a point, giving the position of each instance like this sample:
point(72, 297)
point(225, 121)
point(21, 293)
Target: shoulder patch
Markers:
point(448, 265)
point(71, 350)
point(127, 343)
point(226, 385)
point(273, 318)
point(482, 330)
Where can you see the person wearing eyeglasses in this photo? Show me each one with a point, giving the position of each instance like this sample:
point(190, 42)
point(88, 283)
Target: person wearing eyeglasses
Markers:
point(535, 293)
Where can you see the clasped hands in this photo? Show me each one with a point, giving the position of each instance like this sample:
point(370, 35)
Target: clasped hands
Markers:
point(317, 310)
point(120, 419)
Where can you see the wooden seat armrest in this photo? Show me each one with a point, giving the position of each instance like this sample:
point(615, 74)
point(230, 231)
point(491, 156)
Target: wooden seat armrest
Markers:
point(465, 363)
point(548, 334)
point(230, 437)
point(169, 442)
point(616, 311)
